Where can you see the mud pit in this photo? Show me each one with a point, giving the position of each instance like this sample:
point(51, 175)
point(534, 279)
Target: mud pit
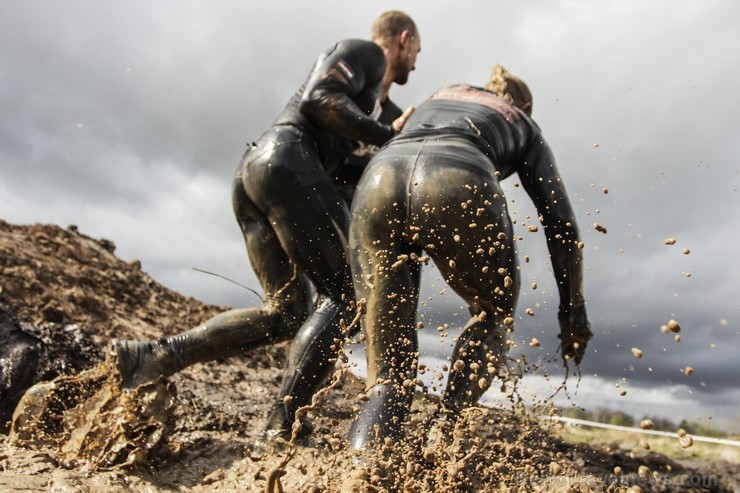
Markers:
point(193, 433)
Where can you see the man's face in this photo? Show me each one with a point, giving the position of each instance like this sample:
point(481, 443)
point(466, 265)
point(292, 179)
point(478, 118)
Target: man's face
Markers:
point(410, 46)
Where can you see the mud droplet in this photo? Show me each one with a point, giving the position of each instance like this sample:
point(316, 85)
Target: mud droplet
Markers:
point(688, 371)
point(554, 468)
point(673, 326)
point(534, 285)
point(508, 282)
point(598, 227)
point(459, 365)
point(534, 342)
point(483, 383)
point(508, 321)
point(452, 264)
point(677, 338)
point(529, 312)
point(636, 352)
point(686, 251)
point(647, 424)
point(685, 441)
point(335, 443)
point(429, 455)
point(533, 228)
point(605, 190)
point(670, 241)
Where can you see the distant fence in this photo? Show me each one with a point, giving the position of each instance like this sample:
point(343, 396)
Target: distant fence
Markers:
point(593, 424)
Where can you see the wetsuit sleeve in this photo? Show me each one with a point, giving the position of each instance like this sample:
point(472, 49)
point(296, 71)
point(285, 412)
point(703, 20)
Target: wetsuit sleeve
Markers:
point(341, 93)
point(544, 185)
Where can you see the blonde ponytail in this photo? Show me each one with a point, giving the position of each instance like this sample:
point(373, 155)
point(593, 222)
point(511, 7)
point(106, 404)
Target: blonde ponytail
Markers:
point(506, 85)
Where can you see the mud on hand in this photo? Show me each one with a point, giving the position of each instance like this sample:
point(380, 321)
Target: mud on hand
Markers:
point(575, 332)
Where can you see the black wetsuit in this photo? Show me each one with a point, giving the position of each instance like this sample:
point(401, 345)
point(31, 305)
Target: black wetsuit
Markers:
point(295, 225)
point(434, 189)
point(346, 176)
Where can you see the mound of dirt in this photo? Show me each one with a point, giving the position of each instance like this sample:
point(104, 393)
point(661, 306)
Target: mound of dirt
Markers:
point(59, 275)
point(66, 295)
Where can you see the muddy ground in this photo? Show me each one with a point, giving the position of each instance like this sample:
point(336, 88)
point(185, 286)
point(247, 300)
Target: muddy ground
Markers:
point(65, 295)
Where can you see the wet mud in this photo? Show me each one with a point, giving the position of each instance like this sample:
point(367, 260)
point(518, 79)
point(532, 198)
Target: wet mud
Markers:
point(88, 421)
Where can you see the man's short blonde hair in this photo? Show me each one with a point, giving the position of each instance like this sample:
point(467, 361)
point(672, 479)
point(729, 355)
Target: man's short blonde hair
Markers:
point(503, 83)
point(390, 24)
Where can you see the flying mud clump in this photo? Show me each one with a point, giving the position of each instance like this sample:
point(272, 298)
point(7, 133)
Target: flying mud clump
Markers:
point(88, 421)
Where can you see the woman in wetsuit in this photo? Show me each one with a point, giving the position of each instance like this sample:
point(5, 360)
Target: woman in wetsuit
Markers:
point(433, 192)
point(295, 221)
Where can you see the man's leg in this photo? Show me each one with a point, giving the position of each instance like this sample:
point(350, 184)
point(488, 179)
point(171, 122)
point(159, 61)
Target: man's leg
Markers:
point(233, 332)
point(312, 227)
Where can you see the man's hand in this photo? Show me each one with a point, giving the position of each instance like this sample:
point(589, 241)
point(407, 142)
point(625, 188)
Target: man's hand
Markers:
point(575, 332)
point(399, 122)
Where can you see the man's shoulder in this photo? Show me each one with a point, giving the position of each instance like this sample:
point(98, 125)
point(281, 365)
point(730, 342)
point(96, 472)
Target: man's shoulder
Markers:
point(363, 46)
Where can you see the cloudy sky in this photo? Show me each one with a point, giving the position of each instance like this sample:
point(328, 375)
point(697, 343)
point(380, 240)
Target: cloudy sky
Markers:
point(128, 119)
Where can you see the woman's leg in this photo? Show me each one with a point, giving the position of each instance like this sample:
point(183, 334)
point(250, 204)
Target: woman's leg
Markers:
point(387, 278)
point(474, 251)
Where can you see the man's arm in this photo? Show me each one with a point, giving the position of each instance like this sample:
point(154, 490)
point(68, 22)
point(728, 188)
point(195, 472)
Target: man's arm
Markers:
point(542, 181)
point(343, 91)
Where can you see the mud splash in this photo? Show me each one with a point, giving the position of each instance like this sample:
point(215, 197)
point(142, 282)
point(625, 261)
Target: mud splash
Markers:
point(88, 421)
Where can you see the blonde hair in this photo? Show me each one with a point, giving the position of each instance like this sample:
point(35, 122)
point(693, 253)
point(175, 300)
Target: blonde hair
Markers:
point(506, 85)
point(390, 24)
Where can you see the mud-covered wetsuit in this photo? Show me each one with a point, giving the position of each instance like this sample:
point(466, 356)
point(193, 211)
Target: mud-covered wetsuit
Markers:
point(346, 176)
point(434, 190)
point(295, 225)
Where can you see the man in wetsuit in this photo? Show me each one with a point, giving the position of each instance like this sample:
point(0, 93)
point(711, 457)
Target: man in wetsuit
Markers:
point(295, 222)
point(434, 189)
